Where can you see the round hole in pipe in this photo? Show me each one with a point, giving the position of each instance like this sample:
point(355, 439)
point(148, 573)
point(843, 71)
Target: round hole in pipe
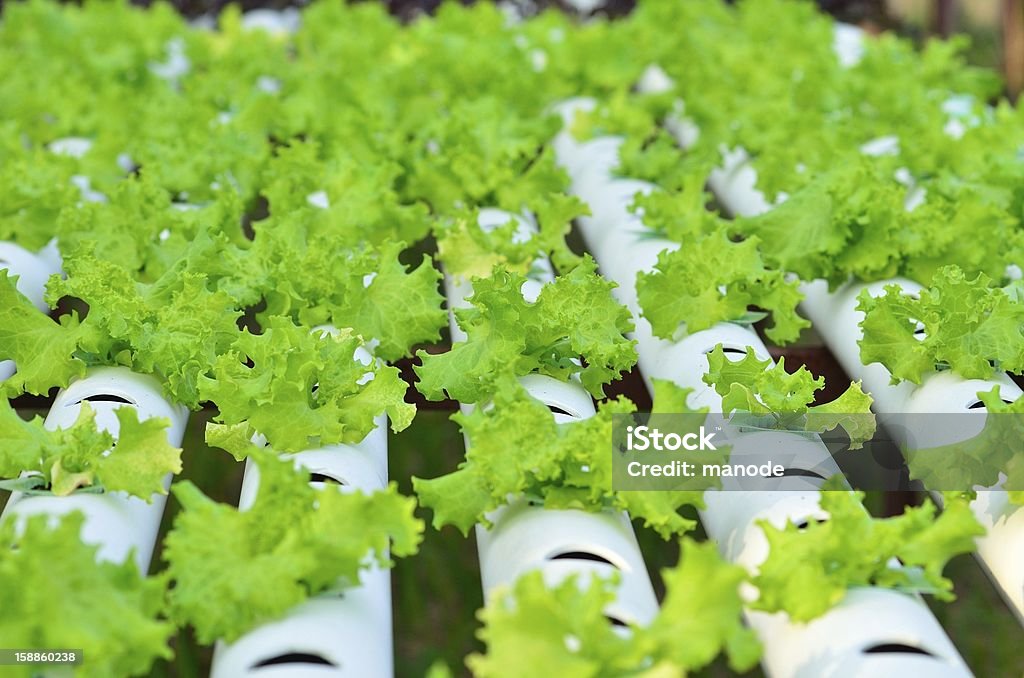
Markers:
point(555, 409)
point(294, 658)
point(732, 352)
point(804, 524)
point(896, 648)
point(581, 555)
point(799, 473)
point(978, 405)
point(105, 398)
point(324, 479)
point(615, 621)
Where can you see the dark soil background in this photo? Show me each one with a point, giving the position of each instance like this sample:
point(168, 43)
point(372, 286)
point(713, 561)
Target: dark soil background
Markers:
point(853, 11)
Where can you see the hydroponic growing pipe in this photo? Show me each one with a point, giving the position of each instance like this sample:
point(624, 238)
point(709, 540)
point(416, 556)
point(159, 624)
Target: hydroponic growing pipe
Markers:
point(117, 523)
point(734, 183)
point(344, 632)
point(526, 537)
point(872, 631)
point(33, 270)
point(837, 320)
point(1001, 550)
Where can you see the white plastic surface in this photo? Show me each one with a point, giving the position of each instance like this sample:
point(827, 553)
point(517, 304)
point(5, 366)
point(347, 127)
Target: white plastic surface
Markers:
point(33, 270)
point(345, 628)
point(526, 538)
point(114, 521)
point(835, 644)
point(281, 22)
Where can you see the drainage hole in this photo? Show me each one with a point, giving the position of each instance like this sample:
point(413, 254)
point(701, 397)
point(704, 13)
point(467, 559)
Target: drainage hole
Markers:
point(106, 398)
point(294, 658)
point(978, 405)
point(800, 473)
point(728, 350)
point(896, 648)
point(804, 524)
point(555, 409)
point(323, 478)
point(581, 555)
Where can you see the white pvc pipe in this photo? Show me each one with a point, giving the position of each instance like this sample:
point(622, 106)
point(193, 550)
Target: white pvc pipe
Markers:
point(525, 537)
point(1001, 550)
point(734, 183)
point(114, 521)
point(838, 643)
point(33, 270)
point(835, 318)
point(347, 632)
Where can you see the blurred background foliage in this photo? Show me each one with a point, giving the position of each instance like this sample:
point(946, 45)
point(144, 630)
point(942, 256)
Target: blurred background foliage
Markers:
point(995, 26)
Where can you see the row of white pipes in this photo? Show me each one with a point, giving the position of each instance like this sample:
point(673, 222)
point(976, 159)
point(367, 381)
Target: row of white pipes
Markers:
point(526, 537)
point(350, 631)
point(872, 631)
point(835, 318)
point(344, 632)
point(340, 632)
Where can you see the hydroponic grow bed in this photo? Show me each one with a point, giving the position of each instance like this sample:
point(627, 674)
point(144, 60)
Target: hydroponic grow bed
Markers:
point(270, 238)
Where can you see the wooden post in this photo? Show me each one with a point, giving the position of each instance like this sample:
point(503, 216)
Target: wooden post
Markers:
point(1013, 46)
point(944, 18)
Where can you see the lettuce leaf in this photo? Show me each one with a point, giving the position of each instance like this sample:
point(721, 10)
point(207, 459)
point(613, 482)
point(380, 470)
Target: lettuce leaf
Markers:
point(58, 596)
point(43, 351)
point(232, 570)
point(173, 328)
point(967, 326)
point(303, 389)
point(784, 399)
point(810, 568)
point(713, 280)
point(562, 465)
point(982, 459)
point(363, 288)
point(83, 456)
point(574, 316)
